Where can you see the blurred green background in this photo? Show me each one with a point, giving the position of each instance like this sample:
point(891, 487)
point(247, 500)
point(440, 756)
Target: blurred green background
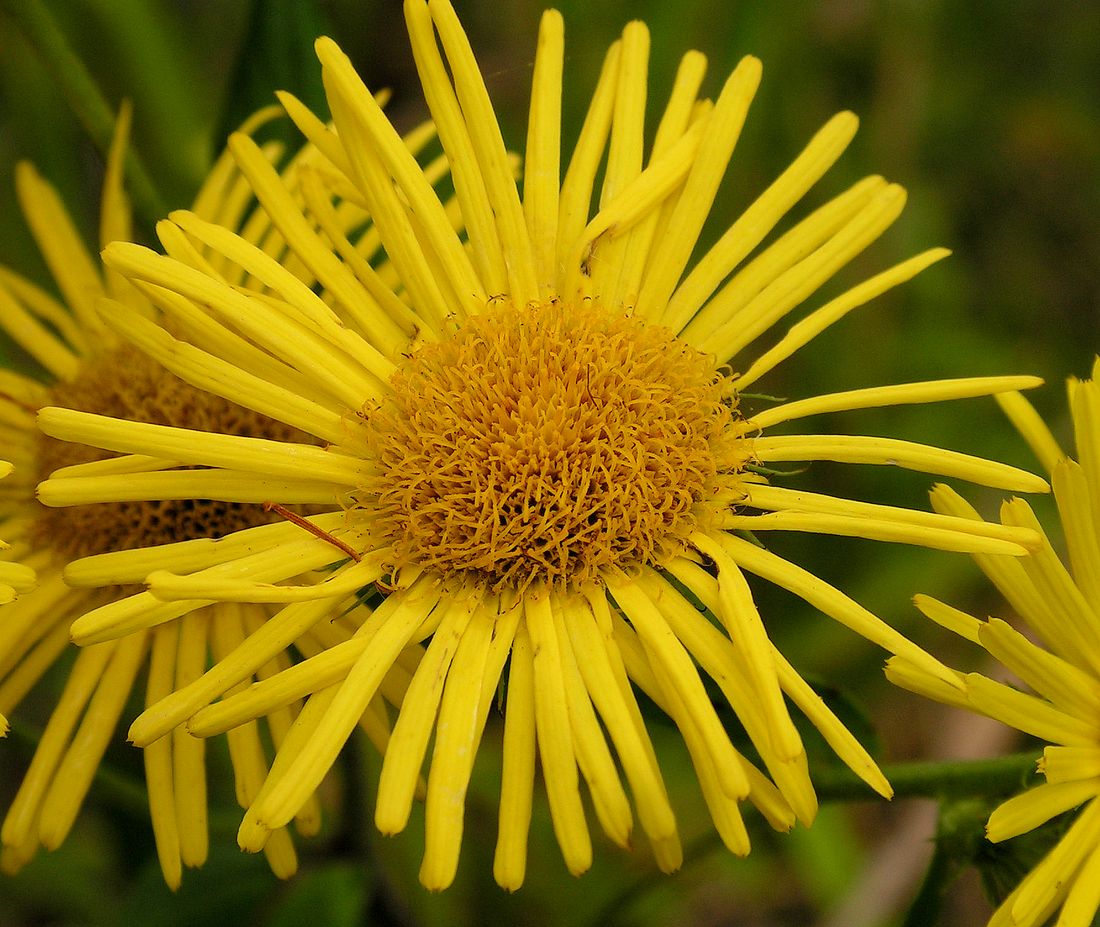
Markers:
point(988, 112)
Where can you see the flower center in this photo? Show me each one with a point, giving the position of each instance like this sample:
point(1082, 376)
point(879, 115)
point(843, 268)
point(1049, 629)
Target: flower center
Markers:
point(548, 443)
point(127, 384)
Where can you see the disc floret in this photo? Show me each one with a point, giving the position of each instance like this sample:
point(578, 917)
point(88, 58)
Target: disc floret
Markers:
point(548, 443)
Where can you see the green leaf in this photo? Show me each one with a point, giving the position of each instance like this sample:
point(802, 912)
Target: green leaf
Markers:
point(335, 896)
point(850, 710)
point(229, 890)
point(66, 64)
point(1002, 866)
point(826, 856)
point(277, 54)
point(960, 833)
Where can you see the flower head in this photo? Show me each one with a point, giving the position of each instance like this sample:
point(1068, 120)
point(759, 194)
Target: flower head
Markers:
point(14, 578)
point(1059, 661)
point(534, 443)
point(459, 489)
point(89, 368)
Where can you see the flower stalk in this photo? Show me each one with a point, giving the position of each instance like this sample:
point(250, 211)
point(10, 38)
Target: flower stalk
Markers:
point(1000, 775)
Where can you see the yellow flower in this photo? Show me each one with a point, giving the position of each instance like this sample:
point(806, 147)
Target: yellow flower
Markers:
point(92, 370)
point(14, 577)
point(532, 439)
point(1059, 604)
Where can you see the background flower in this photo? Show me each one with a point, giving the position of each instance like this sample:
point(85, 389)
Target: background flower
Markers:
point(1055, 601)
point(87, 367)
point(14, 576)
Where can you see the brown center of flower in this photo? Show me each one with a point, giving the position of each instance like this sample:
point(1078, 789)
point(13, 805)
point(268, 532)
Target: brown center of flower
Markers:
point(127, 384)
point(548, 443)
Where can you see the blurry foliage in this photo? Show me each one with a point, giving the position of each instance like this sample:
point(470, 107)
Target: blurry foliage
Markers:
point(986, 111)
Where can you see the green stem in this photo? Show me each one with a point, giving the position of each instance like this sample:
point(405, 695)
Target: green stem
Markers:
point(928, 904)
point(954, 779)
point(959, 834)
point(85, 98)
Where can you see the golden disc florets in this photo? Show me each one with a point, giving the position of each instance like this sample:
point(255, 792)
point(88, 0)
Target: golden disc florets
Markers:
point(548, 443)
point(127, 384)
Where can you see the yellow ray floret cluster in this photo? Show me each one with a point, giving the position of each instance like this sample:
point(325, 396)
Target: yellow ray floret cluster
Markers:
point(14, 578)
point(1060, 604)
point(528, 431)
point(90, 369)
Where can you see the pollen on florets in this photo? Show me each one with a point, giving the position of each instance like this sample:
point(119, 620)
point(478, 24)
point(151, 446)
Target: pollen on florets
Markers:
point(548, 443)
point(126, 383)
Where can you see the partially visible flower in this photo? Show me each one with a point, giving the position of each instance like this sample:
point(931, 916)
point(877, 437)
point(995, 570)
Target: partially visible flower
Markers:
point(14, 577)
point(91, 369)
point(539, 446)
point(1059, 661)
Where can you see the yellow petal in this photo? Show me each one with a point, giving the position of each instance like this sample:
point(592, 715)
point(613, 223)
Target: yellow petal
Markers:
point(1036, 806)
point(868, 450)
point(417, 719)
point(555, 739)
point(518, 777)
point(759, 219)
point(899, 394)
point(458, 734)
